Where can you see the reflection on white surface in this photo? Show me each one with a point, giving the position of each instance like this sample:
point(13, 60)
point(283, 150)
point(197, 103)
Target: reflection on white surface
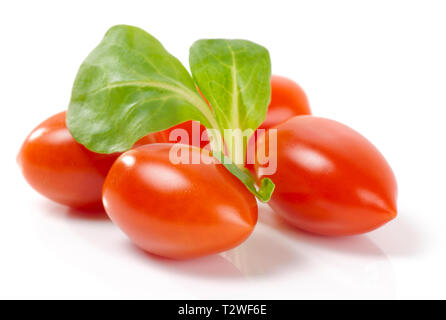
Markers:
point(276, 262)
point(262, 256)
point(306, 266)
point(338, 266)
point(400, 237)
point(214, 267)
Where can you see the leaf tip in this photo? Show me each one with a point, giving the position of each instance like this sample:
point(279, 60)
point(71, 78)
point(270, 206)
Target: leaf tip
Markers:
point(266, 189)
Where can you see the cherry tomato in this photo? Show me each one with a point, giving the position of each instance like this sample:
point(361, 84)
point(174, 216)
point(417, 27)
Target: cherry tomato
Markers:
point(61, 169)
point(287, 100)
point(178, 210)
point(329, 180)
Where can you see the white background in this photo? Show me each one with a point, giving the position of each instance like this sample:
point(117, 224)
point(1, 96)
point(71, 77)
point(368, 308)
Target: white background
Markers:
point(377, 66)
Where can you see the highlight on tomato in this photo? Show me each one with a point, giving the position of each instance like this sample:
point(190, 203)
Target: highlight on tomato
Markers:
point(60, 168)
point(329, 180)
point(63, 170)
point(178, 210)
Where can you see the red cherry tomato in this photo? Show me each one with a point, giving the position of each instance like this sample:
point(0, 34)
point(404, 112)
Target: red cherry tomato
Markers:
point(329, 180)
point(61, 169)
point(287, 100)
point(178, 210)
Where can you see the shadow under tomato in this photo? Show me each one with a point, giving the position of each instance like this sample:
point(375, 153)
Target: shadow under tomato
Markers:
point(87, 214)
point(61, 211)
point(263, 255)
point(260, 255)
point(213, 266)
point(400, 237)
point(354, 245)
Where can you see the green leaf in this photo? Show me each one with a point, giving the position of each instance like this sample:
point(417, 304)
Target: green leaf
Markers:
point(234, 76)
point(266, 188)
point(128, 87)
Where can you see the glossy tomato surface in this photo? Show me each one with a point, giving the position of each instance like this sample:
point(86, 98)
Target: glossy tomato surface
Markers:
point(61, 169)
point(178, 210)
point(288, 99)
point(330, 180)
point(190, 132)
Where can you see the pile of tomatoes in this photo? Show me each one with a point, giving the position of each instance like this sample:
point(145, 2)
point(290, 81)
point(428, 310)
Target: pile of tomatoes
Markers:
point(330, 180)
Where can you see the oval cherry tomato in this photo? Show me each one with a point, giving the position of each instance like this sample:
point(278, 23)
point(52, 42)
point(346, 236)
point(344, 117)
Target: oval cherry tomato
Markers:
point(329, 180)
point(287, 100)
point(61, 169)
point(178, 210)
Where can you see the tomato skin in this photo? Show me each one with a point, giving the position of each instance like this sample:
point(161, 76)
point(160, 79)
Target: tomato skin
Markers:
point(330, 180)
point(287, 100)
point(61, 169)
point(178, 211)
point(188, 126)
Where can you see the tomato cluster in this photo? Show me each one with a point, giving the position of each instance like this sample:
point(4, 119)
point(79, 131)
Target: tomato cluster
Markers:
point(329, 180)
